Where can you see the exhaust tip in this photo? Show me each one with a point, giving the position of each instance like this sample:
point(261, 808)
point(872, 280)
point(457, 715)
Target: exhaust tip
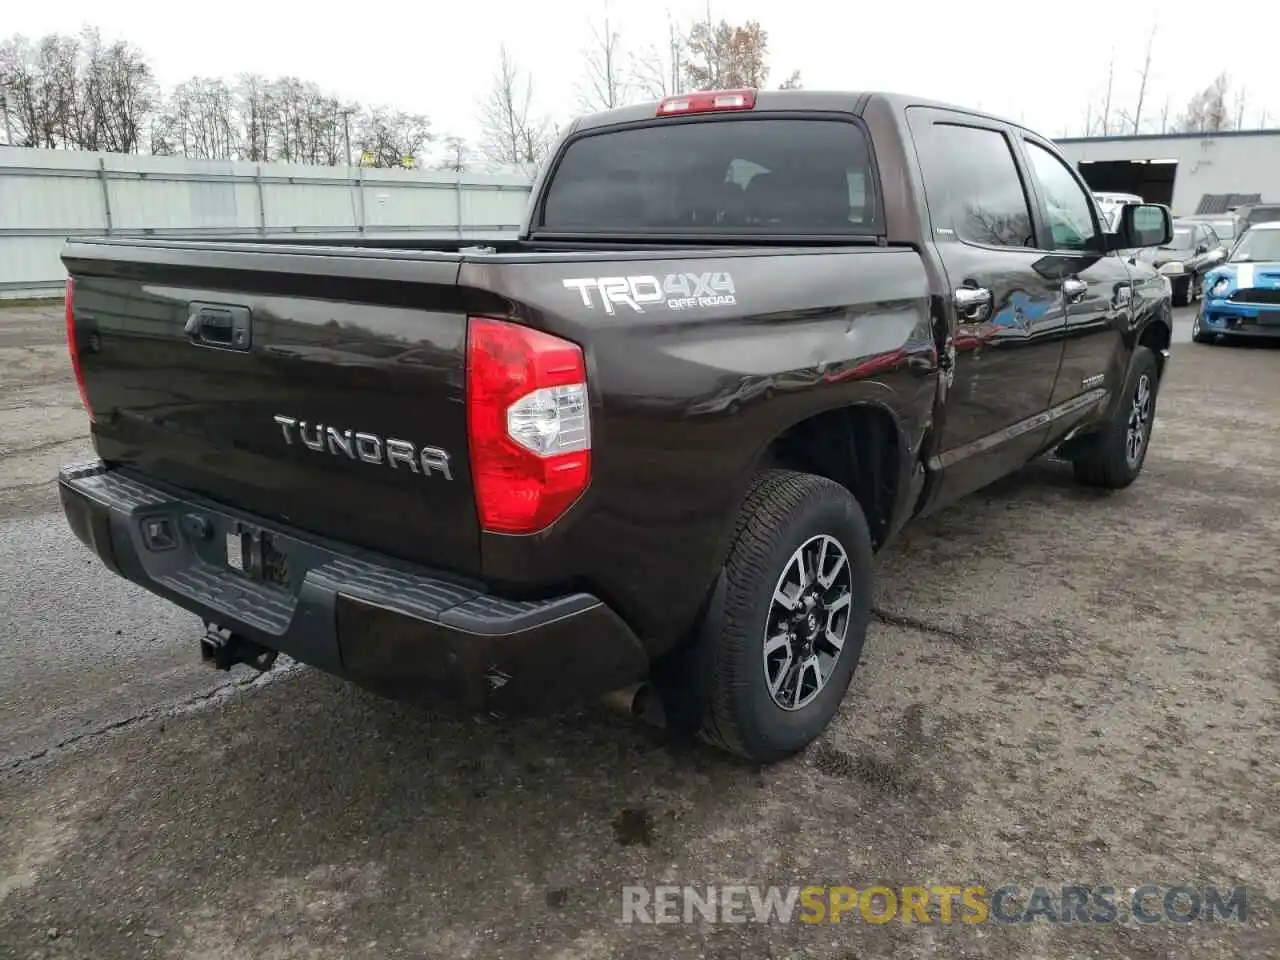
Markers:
point(639, 701)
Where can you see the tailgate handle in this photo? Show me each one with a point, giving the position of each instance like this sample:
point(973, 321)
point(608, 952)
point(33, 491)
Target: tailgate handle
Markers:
point(220, 325)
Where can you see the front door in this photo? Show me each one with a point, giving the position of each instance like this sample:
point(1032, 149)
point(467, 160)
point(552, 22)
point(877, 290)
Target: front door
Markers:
point(1098, 291)
point(1007, 310)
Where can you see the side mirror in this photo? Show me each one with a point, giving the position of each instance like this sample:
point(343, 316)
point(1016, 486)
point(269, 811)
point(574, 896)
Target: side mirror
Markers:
point(1203, 248)
point(1142, 225)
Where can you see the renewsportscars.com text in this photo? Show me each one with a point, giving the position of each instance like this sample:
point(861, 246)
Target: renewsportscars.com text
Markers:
point(937, 903)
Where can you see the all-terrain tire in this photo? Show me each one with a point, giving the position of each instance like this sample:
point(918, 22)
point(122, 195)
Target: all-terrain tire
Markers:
point(782, 511)
point(1106, 459)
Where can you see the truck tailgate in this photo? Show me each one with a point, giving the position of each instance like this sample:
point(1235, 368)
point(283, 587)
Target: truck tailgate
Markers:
point(294, 384)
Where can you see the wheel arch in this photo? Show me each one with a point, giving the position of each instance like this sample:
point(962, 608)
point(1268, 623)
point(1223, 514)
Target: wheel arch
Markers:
point(1157, 335)
point(861, 446)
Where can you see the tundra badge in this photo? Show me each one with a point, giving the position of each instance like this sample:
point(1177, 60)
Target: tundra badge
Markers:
point(369, 447)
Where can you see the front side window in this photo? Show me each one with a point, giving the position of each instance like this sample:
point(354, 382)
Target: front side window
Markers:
point(1070, 213)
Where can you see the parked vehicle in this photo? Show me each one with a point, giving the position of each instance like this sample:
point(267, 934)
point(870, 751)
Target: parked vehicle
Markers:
point(1242, 296)
point(1194, 248)
point(1110, 204)
point(1256, 213)
point(1228, 226)
point(555, 499)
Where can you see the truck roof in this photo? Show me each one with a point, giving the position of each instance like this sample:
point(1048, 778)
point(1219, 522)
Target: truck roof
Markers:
point(844, 101)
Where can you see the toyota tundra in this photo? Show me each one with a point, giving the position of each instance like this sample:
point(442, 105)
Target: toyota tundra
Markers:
point(650, 444)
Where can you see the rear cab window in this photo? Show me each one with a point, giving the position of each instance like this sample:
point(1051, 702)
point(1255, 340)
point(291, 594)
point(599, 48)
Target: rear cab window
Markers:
point(759, 176)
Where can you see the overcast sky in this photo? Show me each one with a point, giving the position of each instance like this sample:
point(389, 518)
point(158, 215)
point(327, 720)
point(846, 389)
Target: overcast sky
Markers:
point(1041, 63)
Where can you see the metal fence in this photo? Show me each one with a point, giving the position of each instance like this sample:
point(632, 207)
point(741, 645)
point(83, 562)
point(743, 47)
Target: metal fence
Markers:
point(47, 196)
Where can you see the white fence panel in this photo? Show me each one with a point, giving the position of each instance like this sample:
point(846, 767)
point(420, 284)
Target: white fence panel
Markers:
point(47, 196)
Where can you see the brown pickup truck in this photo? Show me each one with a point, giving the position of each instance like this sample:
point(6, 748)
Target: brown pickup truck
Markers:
point(652, 444)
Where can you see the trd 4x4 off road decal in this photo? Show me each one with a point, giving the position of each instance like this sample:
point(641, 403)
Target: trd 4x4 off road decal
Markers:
point(678, 291)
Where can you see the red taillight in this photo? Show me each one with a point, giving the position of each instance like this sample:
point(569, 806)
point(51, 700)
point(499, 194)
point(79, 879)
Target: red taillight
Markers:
point(707, 101)
point(528, 425)
point(73, 346)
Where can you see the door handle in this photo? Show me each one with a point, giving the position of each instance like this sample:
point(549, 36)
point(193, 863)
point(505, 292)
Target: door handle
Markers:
point(973, 304)
point(1074, 289)
point(219, 325)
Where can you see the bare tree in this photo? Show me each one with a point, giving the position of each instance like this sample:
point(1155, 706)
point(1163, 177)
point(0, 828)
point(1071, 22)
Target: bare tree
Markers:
point(84, 92)
point(605, 82)
point(1206, 112)
point(59, 58)
point(25, 93)
point(658, 72)
point(722, 56)
point(392, 138)
point(257, 115)
point(535, 143)
point(130, 96)
point(199, 121)
point(792, 82)
point(1164, 116)
point(512, 136)
point(1135, 119)
point(75, 92)
point(457, 155)
point(1240, 101)
point(1106, 104)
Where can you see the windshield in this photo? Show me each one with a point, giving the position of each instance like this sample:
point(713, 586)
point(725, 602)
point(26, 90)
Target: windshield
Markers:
point(1225, 229)
point(1181, 239)
point(1263, 214)
point(1257, 246)
point(720, 176)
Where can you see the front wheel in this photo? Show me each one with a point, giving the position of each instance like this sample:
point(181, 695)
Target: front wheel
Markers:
point(792, 617)
point(1198, 332)
point(1114, 456)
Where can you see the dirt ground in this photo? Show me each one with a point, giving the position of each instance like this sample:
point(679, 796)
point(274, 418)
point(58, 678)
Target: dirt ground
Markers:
point(1060, 687)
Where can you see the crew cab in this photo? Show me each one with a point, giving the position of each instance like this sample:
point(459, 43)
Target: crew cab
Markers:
point(648, 449)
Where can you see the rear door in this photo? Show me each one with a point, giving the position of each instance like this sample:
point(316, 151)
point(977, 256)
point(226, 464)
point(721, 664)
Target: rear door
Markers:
point(1008, 316)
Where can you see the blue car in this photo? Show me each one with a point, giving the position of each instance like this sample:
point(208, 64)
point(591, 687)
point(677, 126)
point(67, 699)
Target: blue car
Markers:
point(1242, 295)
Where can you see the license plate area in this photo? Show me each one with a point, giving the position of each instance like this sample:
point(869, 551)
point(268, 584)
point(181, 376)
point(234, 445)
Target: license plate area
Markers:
point(253, 553)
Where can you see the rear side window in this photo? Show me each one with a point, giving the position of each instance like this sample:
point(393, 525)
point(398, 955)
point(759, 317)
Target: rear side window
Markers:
point(763, 176)
point(973, 187)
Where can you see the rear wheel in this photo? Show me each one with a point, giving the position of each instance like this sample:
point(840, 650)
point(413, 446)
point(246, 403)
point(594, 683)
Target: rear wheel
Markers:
point(788, 628)
point(1114, 456)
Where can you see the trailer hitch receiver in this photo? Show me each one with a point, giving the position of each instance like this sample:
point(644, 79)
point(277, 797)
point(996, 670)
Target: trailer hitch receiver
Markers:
point(222, 650)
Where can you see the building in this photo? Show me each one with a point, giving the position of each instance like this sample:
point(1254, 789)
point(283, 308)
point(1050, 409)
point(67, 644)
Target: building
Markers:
point(1190, 172)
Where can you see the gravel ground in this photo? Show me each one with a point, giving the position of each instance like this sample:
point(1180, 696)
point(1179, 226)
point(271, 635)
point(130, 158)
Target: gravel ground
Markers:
point(1060, 687)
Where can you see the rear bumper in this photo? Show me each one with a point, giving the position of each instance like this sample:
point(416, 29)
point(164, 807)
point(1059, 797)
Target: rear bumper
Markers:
point(402, 630)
